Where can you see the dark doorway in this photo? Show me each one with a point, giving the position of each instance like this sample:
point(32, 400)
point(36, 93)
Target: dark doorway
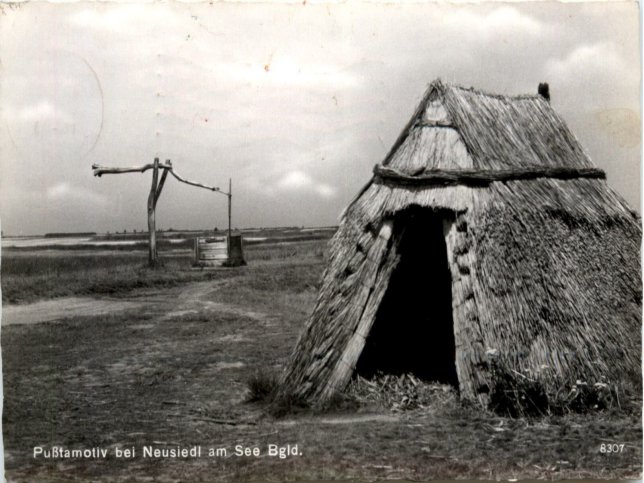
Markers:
point(414, 331)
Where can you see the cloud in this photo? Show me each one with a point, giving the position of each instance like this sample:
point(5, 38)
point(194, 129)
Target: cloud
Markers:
point(59, 190)
point(511, 18)
point(123, 18)
point(300, 181)
point(285, 70)
point(275, 71)
point(325, 190)
point(63, 191)
point(42, 110)
point(295, 180)
point(583, 57)
point(492, 24)
point(614, 84)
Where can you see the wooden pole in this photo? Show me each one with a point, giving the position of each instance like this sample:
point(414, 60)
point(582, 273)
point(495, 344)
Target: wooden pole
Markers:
point(152, 255)
point(230, 202)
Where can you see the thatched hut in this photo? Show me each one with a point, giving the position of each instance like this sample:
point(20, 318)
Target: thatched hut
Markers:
point(486, 237)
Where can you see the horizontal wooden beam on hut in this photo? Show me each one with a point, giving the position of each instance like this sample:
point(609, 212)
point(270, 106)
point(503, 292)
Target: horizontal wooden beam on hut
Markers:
point(479, 177)
point(429, 123)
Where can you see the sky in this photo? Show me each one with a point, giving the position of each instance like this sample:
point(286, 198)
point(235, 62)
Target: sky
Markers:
point(295, 102)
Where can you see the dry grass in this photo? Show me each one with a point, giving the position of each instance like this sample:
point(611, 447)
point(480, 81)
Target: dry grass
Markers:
point(43, 274)
point(401, 393)
point(26, 279)
point(179, 374)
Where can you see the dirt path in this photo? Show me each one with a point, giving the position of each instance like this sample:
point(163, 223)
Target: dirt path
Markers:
point(57, 309)
point(175, 302)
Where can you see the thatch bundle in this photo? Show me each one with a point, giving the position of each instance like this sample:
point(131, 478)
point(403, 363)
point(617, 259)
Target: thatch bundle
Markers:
point(543, 257)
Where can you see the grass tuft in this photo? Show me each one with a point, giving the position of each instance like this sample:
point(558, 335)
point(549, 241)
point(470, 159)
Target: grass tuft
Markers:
point(517, 394)
point(262, 386)
point(286, 405)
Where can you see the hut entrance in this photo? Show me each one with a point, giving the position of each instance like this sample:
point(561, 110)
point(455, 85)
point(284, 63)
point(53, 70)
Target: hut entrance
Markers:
point(413, 331)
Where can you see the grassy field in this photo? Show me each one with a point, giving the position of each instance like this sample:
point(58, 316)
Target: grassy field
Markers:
point(173, 370)
point(30, 275)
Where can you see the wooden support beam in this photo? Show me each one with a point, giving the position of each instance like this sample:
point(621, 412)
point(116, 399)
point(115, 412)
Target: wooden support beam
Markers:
point(152, 255)
point(192, 183)
point(162, 182)
point(101, 170)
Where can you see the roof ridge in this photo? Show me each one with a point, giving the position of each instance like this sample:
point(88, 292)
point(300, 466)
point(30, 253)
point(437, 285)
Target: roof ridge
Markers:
point(440, 84)
point(497, 131)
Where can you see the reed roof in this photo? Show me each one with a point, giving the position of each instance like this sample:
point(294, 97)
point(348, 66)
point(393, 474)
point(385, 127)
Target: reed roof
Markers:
point(455, 127)
point(544, 255)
